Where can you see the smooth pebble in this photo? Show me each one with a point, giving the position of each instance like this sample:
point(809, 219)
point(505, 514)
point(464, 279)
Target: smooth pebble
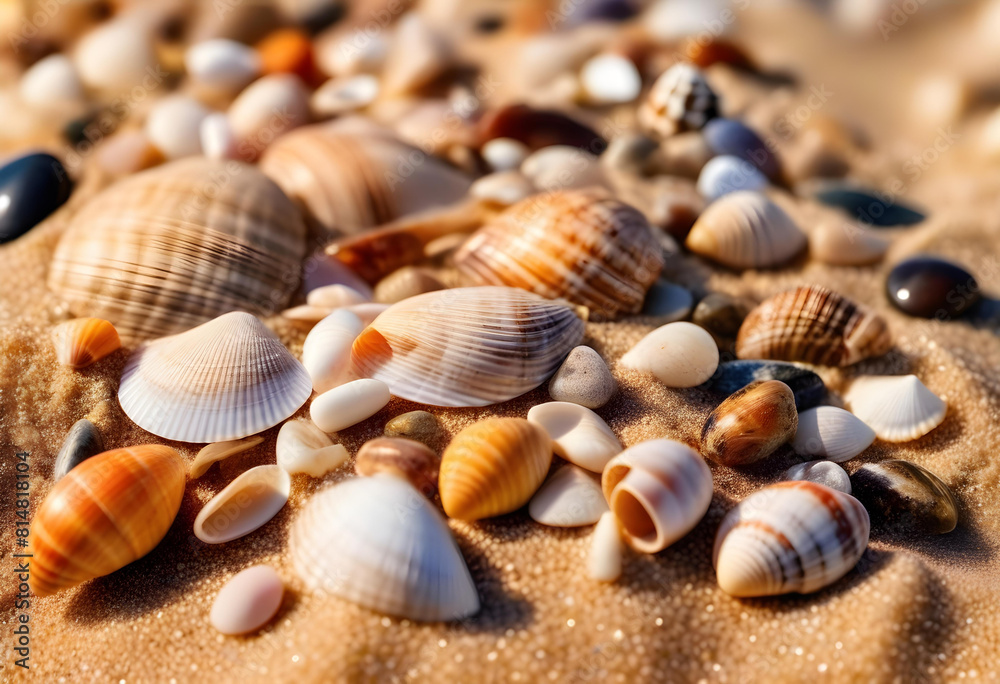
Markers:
point(677, 354)
point(174, 126)
point(583, 378)
point(248, 601)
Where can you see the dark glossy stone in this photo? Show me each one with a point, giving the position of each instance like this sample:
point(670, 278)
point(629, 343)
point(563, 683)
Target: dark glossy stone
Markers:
point(729, 137)
point(722, 315)
point(905, 497)
point(31, 188)
point(931, 288)
point(733, 376)
point(867, 207)
point(82, 442)
point(538, 128)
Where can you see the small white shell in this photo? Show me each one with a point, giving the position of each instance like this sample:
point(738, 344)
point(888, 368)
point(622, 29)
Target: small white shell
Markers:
point(220, 451)
point(248, 601)
point(679, 354)
point(844, 243)
point(270, 106)
point(832, 433)
point(117, 56)
point(349, 404)
point(174, 126)
point(343, 95)
point(571, 497)
point(899, 408)
point(218, 141)
point(505, 154)
point(304, 448)
point(579, 435)
point(726, 174)
point(247, 503)
point(604, 561)
point(326, 352)
point(222, 65)
point(51, 82)
point(824, 472)
point(610, 79)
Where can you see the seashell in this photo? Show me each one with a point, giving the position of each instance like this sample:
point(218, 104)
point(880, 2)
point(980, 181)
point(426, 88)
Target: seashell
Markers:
point(504, 187)
point(734, 138)
point(733, 376)
point(174, 126)
point(348, 404)
point(667, 302)
point(826, 473)
point(226, 379)
point(420, 426)
point(351, 541)
point(677, 354)
point(584, 379)
point(467, 346)
point(903, 496)
point(898, 408)
point(82, 441)
point(746, 230)
point(493, 467)
point(344, 95)
point(931, 288)
point(610, 79)
point(726, 174)
point(117, 56)
point(247, 503)
point(326, 352)
point(831, 433)
point(52, 83)
point(578, 434)
point(658, 490)
point(168, 249)
point(417, 55)
point(217, 138)
point(35, 185)
point(268, 108)
point(304, 448)
point(865, 207)
point(221, 65)
point(404, 283)
point(538, 128)
point(405, 458)
point(722, 315)
point(846, 244)
point(127, 152)
point(307, 316)
point(83, 341)
point(604, 560)
point(248, 601)
point(577, 245)
point(504, 154)
point(789, 537)
point(337, 296)
point(751, 424)
point(815, 325)
point(108, 511)
point(680, 100)
point(563, 167)
point(219, 451)
point(570, 498)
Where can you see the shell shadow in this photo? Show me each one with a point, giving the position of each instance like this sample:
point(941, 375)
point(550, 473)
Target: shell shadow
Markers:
point(964, 545)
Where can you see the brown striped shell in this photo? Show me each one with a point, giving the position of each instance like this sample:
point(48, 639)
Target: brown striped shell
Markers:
point(815, 325)
point(171, 248)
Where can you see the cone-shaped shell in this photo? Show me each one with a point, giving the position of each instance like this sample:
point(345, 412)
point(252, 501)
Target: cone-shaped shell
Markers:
point(247, 503)
point(226, 379)
point(898, 408)
point(789, 537)
point(378, 542)
point(168, 249)
point(108, 511)
point(470, 346)
point(493, 467)
point(815, 325)
point(578, 245)
point(83, 341)
point(832, 433)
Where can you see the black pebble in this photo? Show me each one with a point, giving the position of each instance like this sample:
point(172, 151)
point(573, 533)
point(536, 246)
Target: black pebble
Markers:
point(868, 208)
point(733, 376)
point(31, 188)
point(82, 442)
point(931, 288)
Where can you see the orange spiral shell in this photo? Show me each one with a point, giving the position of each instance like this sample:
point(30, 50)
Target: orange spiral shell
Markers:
point(110, 510)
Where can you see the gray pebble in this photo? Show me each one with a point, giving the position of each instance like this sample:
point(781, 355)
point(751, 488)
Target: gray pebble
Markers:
point(667, 302)
point(822, 472)
point(583, 379)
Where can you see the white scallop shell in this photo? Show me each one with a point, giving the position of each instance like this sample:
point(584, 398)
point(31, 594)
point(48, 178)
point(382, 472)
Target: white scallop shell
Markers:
point(571, 497)
point(727, 174)
point(679, 354)
point(248, 601)
point(604, 560)
point(304, 448)
point(247, 503)
point(824, 472)
point(378, 542)
point(578, 434)
point(831, 433)
point(326, 353)
point(899, 408)
point(226, 379)
point(789, 537)
point(348, 404)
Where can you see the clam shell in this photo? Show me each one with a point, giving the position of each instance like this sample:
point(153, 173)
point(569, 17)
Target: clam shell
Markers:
point(751, 424)
point(83, 341)
point(247, 503)
point(304, 448)
point(348, 404)
point(789, 537)
point(832, 433)
point(815, 325)
point(726, 174)
point(220, 451)
point(570, 498)
point(905, 496)
point(351, 541)
point(680, 100)
point(578, 434)
point(898, 408)
point(226, 379)
point(248, 601)
point(604, 560)
point(678, 354)
point(326, 352)
point(733, 376)
point(82, 441)
point(825, 473)
point(405, 458)
point(846, 244)
point(467, 346)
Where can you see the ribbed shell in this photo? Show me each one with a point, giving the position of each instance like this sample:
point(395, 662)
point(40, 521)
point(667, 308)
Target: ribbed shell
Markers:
point(832, 433)
point(108, 511)
point(789, 537)
point(83, 341)
point(168, 249)
point(226, 379)
point(815, 325)
point(471, 346)
point(898, 408)
point(579, 245)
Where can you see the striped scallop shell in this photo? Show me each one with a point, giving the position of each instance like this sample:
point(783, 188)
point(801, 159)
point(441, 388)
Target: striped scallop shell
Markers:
point(789, 537)
point(171, 248)
point(898, 408)
point(815, 325)
point(83, 341)
point(578, 245)
point(226, 379)
point(472, 346)
point(831, 433)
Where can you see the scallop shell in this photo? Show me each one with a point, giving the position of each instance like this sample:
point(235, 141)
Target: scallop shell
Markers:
point(226, 379)
point(898, 408)
point(604, 560)
point(304, 448)
point(493, 467)
point(578, 434)
point(825, 473)
point(579, 245)
point(815, 325)
point(247, 503)
point(570, 498)
point(351, 541)
point(678, 354)
point(82, 442)
point(746, 230)
point(219, 451)
point(789, 537)
point(831, 433)
point(168, 249)
point(751, 424)
point(83, 341)
point(326, 352)
point(467, 346)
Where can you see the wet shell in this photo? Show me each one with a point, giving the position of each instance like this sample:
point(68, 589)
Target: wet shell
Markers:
point(226, 379)
point(751, 424)
point(248, 601)
point(493, 467)
point(898, 408)
point(680, 100)
point(906, 497)
point(351, 541)
point(83, 341)
point(604, 560)
point(822, 472)
point(679, 355)
point(659, 490)
point(247, 503)
point(832, 433)
point(578, 245)
point(579, 435)
point(405, 458)
point(326, 352)
point(746, 230)
point(789, 537)
point(110, 510)
point(213, 453)
point(168, 249)
point(815, 325)
point(82, 441)
point(570, 498)
point(467, 346)
point(304, 448)
point(807, 387)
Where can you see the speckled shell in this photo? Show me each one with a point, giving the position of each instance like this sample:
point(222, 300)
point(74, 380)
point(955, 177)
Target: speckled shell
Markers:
point(108, 511)
point(578, 245)
point(789, 537)
point(680, 100)
point(471, 346)
point(168, 249)
point(815, 325)
point(83, 341)
point(751, 424)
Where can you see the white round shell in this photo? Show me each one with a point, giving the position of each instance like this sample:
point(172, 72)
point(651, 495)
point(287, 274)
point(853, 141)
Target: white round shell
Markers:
point(679, 354)
point(248, 601)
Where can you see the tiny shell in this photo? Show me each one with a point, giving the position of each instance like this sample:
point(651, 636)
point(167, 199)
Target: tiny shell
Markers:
point(844, 243)
point(584, 379)
point(726, 174)
point(174, 126)
point(751, 424)
point(610, 79)
point(832, 433)
point(733, 376)
point(822, 472)
point(83, 341)
point(326, 352)
point(344, 95)
point(222, 65)
point(219, 451)
point(304, 448)
point(604, 560)
point(405, 458)
point(349, 404)
point(579, 435)
point(337, 296)
point(903, 496)
point(419, 426)
point(404, 283)
point(269, 107)
point(247, 601)
point(680, 100)
point(678, 354)
point(82, 441)
point(570, 498)
point(898, 408)
point(247, 503)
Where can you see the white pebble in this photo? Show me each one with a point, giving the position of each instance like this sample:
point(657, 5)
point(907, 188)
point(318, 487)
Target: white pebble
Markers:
point(326, 353)
point(604, 563)
point(51, 82)
point(504, 154)
point(248, 601)
point(221, 64)
point(268, 108)
point(611, 79)
point(349, 404)
point(678, 354)
point(344, 95)
point(118, 56)
point(336, 296)
point(174, 126)
point(304, 448)
point(583, 378)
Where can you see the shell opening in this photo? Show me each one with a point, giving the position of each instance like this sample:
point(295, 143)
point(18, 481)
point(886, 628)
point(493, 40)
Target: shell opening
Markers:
point(634, 517)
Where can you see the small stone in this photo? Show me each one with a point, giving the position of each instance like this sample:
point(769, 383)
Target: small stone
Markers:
point(866, 207)
point(222, 65)
point(727, 174)
point(667, 302)
point(722, 315)
point(931, 288)
point(504, 154)
point(31, 188)
point(903, 496)
point(52, 82)
point(610, 79)
point(583, 378)
point(419, 426)
point(823, 472)
point(248, 601)
point(82, 442)
point(174, 126)
point(729, 137)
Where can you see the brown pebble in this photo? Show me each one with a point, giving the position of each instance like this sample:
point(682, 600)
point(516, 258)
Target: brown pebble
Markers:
point(419, 426)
